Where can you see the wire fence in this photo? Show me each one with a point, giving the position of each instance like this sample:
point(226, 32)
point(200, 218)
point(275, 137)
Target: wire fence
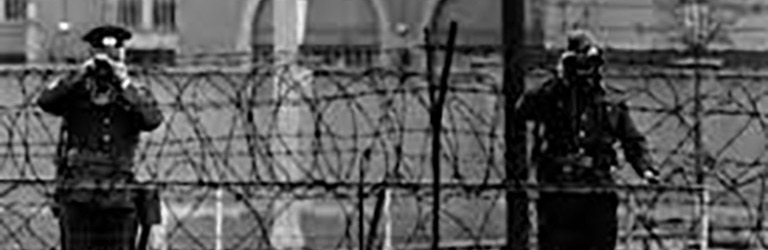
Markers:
point(341, 158)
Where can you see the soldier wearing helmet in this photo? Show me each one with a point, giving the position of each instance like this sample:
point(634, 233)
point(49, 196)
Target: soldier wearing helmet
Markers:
point(576, 123)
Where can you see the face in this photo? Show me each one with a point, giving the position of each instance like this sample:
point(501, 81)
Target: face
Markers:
point(117, 54)
point(581, 69)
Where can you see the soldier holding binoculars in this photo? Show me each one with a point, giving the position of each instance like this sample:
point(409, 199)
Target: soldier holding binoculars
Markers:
point(103, 112)
point(577, 120)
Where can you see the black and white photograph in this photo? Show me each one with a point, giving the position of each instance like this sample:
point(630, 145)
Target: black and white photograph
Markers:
point(383, 124)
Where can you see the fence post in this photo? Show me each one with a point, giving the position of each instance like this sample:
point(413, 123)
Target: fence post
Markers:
point(436, 117)
point(387, 245)
point(696, 64)
point(534, 193)
point(513, 16)
point(219, 217)
point(704, 210)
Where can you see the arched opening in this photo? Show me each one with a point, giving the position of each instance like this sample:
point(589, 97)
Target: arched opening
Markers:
point(341, 22)
point(262, 32)
point(350, 39)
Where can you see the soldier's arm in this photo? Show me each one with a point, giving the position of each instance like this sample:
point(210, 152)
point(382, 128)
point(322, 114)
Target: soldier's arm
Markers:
point(58, 95)
point(139, 100)
point(526, 107)
point(634, 144)
point(532, 103)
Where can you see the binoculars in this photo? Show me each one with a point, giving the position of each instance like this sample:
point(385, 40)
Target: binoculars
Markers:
point(590, 59)
point(100, 67)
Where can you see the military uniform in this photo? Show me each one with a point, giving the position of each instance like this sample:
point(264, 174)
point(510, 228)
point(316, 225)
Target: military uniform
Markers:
point(576, 127)
point(576, 130)
point(94, 160)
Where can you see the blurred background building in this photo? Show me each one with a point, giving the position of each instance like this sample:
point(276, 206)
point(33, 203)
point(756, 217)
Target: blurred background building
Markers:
point(363, 32)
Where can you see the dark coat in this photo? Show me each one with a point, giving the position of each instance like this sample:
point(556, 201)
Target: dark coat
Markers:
point(571, 124)
point(581, 121)
point(99, 141)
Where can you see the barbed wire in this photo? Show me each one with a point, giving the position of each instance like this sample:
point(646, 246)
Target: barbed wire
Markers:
point(364, 135)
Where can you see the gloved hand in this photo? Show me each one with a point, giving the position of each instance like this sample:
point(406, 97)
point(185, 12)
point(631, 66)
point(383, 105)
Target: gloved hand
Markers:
point(119, 69)
point(651, 177)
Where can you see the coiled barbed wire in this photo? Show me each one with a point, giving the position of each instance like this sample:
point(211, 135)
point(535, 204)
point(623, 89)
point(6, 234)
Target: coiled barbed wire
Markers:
point(367, 131)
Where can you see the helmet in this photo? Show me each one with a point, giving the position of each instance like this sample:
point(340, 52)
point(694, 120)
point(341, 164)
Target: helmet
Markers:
point(583, 57)
point(580, 40)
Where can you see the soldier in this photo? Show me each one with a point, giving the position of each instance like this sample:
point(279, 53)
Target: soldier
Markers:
point(103, 112)
point(576, 122)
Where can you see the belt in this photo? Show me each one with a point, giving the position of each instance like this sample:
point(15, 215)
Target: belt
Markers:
point(572, 162)
point(93, 169)
point(96, 184)
point(86, 157)
point(100, 193)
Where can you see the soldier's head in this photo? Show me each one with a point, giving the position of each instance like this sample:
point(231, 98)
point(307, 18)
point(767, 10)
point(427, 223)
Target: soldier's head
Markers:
point(582, 60)
point(108, 40)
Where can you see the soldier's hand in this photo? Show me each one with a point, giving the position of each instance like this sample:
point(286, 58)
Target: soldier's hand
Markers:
point(651, 177)
point(121, 72)
point(119, 69)
point(87, 64)
point(132, 95)
point(91, 62)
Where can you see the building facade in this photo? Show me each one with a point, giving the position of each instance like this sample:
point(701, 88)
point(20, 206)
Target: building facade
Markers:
point(358, 30)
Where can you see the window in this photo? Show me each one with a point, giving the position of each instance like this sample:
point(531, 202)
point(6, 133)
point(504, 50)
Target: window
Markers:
point(129, 13)
point(164, 15)
point(15, 10)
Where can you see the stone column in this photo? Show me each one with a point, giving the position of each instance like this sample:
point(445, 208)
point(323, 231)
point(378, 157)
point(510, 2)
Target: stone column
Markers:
point(146, 14)
point(35, 38)
point(290, 83)
point(109, 11)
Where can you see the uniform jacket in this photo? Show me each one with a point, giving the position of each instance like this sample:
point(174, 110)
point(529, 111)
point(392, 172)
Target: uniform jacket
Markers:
point(571, 123)
point(98, 142)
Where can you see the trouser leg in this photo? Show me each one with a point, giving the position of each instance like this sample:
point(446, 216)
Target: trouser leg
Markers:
point(86, 227)
point(577, 221)
point(603, 226)
point(76, 227)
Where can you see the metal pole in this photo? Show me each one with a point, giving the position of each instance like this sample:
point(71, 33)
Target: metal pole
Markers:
point(361, 205)
point(698, 144)
point(698, 48)
point(387, 245)
point(697, 119)
point(219, 218)
point(532, 180)
point(429, 49)
point(514, 137)
point(437, 117)
point(704, 210)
